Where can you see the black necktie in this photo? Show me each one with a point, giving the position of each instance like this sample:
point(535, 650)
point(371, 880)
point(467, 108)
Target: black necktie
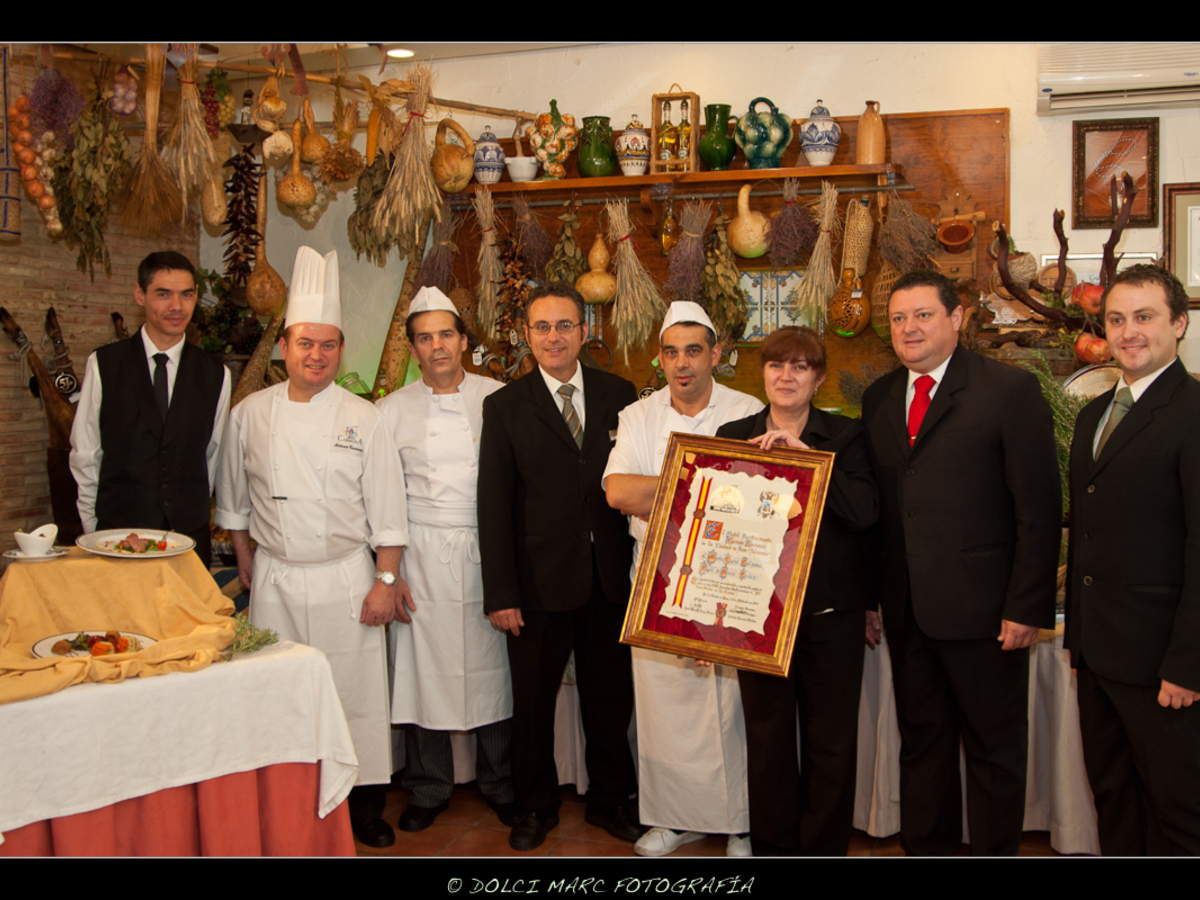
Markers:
point(160, 383)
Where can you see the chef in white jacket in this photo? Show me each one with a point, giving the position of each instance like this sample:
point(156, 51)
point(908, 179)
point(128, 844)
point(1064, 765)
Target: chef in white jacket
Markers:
point(311, 473)
point(451, 665)
point(691, 734)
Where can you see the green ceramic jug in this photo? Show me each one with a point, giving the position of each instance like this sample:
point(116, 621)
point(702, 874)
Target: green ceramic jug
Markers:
point(596, 155)
point(717, 148)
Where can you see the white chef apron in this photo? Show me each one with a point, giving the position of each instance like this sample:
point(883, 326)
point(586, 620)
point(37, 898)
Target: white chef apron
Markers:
point(320, 605)
point(451, 665)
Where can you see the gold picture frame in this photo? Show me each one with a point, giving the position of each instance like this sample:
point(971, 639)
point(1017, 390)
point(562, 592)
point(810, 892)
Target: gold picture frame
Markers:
point(727, 555)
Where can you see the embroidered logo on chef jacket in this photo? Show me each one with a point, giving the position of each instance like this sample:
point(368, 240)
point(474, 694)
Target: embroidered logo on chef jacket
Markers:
point(349, 439)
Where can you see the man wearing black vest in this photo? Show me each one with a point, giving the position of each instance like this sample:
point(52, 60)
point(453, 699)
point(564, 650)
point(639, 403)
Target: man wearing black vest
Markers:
point(144, 453)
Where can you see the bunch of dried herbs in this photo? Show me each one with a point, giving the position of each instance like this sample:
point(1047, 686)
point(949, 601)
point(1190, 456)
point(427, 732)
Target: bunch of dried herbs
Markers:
point(808, 298)
point(793, 231)
point(639, 304)
point(364, 238)
point(54, 104)
point(566, 262)
point(241, 219)
point(906, 240)
point(723, 298)
point(188, 151)
point(88, 180)
point(437, 267)
point(533, 244)
point(686, 263)
point(248, 637)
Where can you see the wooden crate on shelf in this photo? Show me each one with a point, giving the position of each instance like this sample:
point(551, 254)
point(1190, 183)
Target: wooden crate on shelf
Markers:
point(690, 163)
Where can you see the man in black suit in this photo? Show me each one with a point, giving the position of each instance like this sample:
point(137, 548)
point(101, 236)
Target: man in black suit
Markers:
point(556, 560)
point(963, 451)
point(150, 417)
point(1133, 586)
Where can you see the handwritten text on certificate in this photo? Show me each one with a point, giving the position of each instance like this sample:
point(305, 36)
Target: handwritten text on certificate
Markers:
point(730, 544)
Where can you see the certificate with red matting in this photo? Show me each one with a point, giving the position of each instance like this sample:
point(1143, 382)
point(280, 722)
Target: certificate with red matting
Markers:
point(727, 554)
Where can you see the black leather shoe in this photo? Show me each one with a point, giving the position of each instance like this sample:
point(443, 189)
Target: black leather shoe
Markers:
point(530, 832)
point(374, 832)
point(418, 818)
point(617, 821)
point(505, 812)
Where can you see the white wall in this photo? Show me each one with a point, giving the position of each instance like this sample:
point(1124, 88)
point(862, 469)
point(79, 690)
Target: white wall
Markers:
point(618, 80)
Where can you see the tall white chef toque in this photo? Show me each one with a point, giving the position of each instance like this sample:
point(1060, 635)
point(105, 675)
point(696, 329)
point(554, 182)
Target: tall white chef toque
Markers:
point(686, 311)
point(314, 297)
point(429, 299)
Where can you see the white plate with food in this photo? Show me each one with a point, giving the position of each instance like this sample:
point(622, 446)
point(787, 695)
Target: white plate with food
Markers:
point(19, 556)
point(142, 543)
point(79, 643)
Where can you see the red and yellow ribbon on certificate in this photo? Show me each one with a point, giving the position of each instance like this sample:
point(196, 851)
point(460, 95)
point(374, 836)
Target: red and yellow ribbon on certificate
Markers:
point(697, 520)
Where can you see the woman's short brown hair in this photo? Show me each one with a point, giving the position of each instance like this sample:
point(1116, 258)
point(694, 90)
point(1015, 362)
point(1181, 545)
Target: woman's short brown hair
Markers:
point(794, 343)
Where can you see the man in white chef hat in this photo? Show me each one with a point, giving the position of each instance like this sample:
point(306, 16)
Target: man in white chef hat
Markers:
point(310, 471)
point(690, 729)
point(450, 664)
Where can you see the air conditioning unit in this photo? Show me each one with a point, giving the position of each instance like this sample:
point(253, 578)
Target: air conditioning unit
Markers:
point(1080, 78)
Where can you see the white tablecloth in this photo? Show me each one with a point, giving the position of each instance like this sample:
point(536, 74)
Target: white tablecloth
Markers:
point(92, 745)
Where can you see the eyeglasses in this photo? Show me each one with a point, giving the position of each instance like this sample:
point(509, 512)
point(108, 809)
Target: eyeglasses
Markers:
point(563, 327)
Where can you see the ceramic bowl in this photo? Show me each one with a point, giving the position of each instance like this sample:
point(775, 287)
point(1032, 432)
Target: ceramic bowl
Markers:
point(522, 168)
point(39, 542)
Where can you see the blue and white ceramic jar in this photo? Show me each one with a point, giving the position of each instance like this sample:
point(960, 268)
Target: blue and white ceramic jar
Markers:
point(820, 136)
point(489, 157)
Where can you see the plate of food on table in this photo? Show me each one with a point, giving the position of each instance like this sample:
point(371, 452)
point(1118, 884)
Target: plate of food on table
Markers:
point(91, 643)
point(124, 543)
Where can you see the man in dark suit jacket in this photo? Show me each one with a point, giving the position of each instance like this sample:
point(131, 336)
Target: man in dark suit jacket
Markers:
point(1133, 586)
point(556, 560)
point(970, 515)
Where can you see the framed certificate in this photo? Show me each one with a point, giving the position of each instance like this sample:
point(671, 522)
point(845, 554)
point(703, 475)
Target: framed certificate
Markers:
point(726, 559)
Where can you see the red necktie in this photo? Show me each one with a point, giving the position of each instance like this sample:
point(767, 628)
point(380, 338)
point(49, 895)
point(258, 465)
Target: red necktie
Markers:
point(920, 404)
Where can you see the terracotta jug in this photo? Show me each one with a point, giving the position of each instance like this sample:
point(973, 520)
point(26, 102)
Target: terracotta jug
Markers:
point(452, 165)
point(748, 232)
point(869, 140)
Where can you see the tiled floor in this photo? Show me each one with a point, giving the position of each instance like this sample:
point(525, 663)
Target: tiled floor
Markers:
point(470, 828)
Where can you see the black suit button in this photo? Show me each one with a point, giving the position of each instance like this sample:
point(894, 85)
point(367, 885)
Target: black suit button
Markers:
point(1091, 489)
point(585, 535)
point(1087, 579)
point(911, 472)
point(582, 461)
point(1090, 534)
point(909, 515)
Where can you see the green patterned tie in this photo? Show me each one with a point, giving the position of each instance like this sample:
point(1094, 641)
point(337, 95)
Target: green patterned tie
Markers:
point(570, 414)
point(1121, 406)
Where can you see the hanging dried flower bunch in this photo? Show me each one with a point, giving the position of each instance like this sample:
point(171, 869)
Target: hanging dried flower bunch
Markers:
point(342, 162)
point(723, 298)
point(514, 290)
point(566, 262)
point(819, 281)
point(54, 104)
point(151, 202)
point(906, 240)
point(438, 265)
point(188, 151)
point(411, 193)
point(793, 231)
point(241, 219)
point(533, 244)
point(686, 264)
point(639, 303)
point(491, 271)
point(87, 181)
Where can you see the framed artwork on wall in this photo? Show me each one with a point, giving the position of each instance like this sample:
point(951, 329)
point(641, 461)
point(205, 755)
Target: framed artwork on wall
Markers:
point(1181, 236)
point(1103, 149)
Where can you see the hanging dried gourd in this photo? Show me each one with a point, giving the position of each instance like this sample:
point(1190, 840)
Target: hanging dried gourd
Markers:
point(270, 107)
point(638, 301)
point(808, 298)
point(686, 263)
point(296, 191)
point(188, 151)
point(793, 231)
point(342, 162)
point(213, 205)
point(242, 219)
point(533, 244)
point(566, 262)
point(437, 267)
point(265, 290)
point(315, 145)
point(723, 298)
point(365, 239)
point(87, 181)
point(383, 127)
point(411, 193)
point(849, 310)
point(150, 202)
point(491, 271)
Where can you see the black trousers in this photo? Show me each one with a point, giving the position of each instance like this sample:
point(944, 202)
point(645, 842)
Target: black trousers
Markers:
point(604, 675)
point(947, 691)
point(429, 763)
point(805, 806)
point(1143, 763)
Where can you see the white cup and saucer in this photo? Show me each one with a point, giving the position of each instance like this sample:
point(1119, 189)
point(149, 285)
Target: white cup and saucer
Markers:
point(37, 546)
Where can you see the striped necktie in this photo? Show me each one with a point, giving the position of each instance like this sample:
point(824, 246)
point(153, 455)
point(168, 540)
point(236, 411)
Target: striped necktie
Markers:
point(570, 414)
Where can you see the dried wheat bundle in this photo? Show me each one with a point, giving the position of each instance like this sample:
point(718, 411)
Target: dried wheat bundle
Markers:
point(793, 231)
point(533, 244)
point(856, 247)
point(819, 281)
point(491, 272)
point(906, 240)
point(438, 265)
point(188, 151)
point(686, 263)
point(151, 202)
point(639, 304)
point(411, 193)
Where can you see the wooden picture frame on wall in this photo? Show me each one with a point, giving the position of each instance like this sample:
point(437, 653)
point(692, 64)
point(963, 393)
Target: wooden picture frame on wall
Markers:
point(725, 563)
point(1181, 236)
point(1103, 149)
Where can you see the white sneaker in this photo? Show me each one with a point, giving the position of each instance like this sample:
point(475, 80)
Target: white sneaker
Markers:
point(738, 846)
point(661, 841)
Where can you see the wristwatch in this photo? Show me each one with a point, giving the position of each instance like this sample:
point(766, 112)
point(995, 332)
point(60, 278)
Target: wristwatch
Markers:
point(388, 578)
